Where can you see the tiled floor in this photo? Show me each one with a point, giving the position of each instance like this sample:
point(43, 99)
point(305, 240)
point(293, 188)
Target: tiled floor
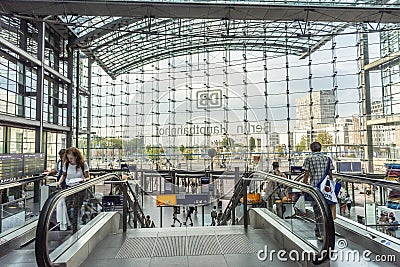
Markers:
point(106, 252)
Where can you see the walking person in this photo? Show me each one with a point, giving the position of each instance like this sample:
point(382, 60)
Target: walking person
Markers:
point(315, 166)
point(75, 171)
point(349, 201)
point(214, 216)
point(175, 217)
point(189, 213)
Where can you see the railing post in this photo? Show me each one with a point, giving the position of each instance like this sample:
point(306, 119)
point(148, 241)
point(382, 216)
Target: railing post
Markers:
point(202, 215)
point(142, 186)
point(160, 216)
point(246, 222)
point(135, 214)
point(125, 208)
point(233, 214)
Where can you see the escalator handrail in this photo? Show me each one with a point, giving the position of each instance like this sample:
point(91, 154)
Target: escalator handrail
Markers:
point(365, 180)
point(41, 245)
point(328, 243)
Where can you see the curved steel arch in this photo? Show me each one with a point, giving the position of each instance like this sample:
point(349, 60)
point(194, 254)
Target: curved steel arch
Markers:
point(183, 50)
point(143, 41)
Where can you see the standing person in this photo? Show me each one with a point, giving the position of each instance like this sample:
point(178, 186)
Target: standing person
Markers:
point(276, 171)
point(315, 166)
point(214, 216)
point(393, 225)
point(271, 191)
point(58, 168)
point(343, 203)
point(149, 222)
point(219, 217)
point(175, 217)
point(75, 170)
point(61, 210)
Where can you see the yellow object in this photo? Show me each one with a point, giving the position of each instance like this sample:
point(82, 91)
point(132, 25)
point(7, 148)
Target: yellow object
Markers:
point(252, 198)
point(284, 199)
point(166, 200)
point(391, 178)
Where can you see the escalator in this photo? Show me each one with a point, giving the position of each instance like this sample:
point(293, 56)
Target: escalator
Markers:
point(351, 235)
point(295, 232)
point(239, 192)
point(289, 226)
point(54, 246)
point(370, 197)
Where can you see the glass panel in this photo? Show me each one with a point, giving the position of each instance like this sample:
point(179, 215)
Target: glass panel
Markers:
point(2, 132)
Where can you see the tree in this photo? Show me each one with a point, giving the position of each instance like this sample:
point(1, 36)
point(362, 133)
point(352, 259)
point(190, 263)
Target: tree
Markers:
point(324, 138)
point(252, 144)
point(227, 142)
point(280, 149)
point(303, 144)
point(187, 152)
point(155, 152)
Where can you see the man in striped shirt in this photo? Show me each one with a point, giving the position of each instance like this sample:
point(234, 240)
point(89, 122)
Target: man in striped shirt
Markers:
point(315, 166)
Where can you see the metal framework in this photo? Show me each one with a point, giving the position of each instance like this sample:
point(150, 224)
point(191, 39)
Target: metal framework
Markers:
point(146, 41)
point(124, 36)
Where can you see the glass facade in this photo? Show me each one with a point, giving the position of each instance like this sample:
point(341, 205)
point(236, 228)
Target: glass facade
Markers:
point(20, 140)
point(55, 142)
point(20, 89)
point(191, 87)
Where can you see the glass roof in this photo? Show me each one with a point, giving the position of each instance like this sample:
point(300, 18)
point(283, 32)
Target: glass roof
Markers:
point(121, 35)
point(122, 44)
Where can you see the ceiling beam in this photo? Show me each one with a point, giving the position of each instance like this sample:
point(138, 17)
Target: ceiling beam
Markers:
point(309, 11)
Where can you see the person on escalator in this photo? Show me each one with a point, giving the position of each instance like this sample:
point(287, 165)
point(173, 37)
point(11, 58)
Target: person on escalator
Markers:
point(58, 168)
point(315, 166)
point(75, 171)
point(276, 171)
point(272, 193)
